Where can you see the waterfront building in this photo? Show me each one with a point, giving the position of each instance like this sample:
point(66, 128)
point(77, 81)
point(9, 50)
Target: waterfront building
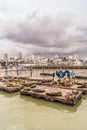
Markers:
point(85, 63)
point(74, 57)
point(41, 61)
point(77, 63)
point(70, 57)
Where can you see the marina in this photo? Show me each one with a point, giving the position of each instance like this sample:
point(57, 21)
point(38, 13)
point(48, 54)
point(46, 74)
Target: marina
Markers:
point(43, 65)
point(38, 102)
point(42, 87)
point(63, 91)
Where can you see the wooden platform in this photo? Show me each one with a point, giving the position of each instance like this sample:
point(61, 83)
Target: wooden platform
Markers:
point(81, 76)
point(79, 87)
point(53, 94)
point(9, 89)
point(12, 84)
point(45, 89)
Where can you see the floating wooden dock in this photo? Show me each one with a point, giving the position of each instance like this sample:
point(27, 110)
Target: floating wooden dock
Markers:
point(53, 94)
point(81, 76)
point(64, 91)
point(79, 87)
point(11, 84)
point(9, 89)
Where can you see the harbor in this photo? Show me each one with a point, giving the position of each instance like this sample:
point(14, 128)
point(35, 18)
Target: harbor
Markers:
point(43, 65)
point(63, 91)
point(40, 100)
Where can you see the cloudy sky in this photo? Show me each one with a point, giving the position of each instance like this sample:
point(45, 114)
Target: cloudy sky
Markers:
point(43, 27)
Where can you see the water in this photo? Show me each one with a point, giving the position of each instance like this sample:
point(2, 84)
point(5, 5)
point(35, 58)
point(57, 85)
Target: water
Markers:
point(36, 72)
point(26, 113)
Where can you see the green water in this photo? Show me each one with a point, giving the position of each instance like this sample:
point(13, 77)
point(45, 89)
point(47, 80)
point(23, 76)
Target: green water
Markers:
point(26, 113)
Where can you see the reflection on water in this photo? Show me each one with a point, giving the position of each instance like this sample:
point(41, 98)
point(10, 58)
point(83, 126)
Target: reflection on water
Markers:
point(26, 113)
point(42, 102)
point(9, 95)
point(56, 105)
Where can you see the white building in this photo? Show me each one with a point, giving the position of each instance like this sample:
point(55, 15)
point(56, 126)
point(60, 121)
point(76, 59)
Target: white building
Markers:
point(77, 63)
point(74, 57)
point(56, 59)
point(42, 60)
point(70, 57)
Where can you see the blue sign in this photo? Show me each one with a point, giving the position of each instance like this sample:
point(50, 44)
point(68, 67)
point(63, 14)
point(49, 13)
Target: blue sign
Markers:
point(72, 74)
point(61, 74)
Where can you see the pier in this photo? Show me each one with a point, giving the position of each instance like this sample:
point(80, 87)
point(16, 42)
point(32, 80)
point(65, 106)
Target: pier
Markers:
point(53, 94)
point(64, 92)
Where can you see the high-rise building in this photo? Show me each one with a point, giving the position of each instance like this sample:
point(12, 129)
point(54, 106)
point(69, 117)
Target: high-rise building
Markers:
point(5, 56)
point(20, 55)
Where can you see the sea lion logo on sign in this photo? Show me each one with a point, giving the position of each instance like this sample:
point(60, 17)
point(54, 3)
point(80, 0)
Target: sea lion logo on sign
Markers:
point(62, 74)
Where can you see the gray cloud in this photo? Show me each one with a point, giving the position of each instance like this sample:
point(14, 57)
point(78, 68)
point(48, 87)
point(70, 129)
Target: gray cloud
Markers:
point(62, 34)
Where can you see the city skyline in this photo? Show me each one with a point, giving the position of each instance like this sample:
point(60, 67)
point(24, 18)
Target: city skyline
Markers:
point(20, 55)
point(43, 28)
